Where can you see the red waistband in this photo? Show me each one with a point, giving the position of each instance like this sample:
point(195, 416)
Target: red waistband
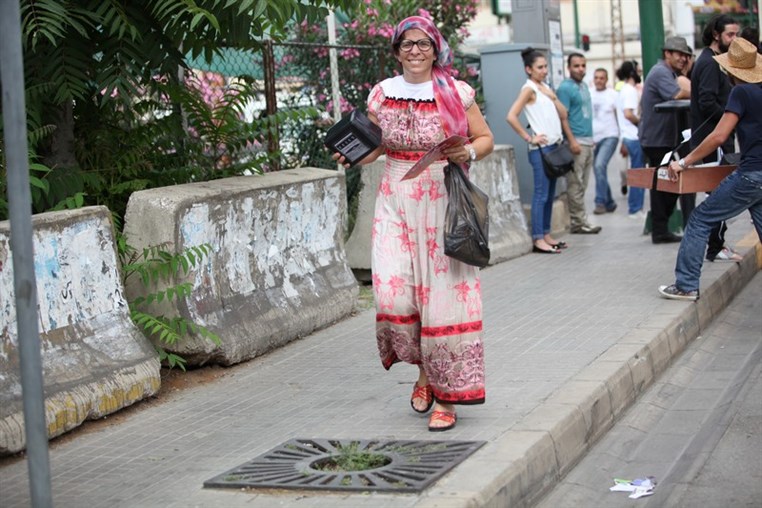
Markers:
point(407, 155)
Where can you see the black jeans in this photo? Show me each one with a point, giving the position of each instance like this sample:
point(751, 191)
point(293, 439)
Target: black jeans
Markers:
point(663, 203)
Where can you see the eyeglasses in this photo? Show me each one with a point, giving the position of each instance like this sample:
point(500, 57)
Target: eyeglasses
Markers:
point(423, 45)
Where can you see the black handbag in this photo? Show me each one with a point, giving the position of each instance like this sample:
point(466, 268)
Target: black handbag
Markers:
point(558, 161)
point(466, 234)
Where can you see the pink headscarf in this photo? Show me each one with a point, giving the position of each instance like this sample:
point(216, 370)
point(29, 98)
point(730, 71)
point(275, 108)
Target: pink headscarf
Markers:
point(446, 96)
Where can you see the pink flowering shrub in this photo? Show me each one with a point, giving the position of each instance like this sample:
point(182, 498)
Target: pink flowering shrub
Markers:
point(370, 25)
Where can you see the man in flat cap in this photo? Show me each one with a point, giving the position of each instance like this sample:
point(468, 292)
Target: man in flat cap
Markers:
point(658, 132)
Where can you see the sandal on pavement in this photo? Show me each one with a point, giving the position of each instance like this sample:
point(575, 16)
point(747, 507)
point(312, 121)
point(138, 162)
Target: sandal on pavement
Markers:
point(540, 250)
point(423, 393)
point(447, 417)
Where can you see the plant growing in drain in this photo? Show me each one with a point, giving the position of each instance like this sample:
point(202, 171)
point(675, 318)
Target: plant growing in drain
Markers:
point(351, 458)
point(155, 269)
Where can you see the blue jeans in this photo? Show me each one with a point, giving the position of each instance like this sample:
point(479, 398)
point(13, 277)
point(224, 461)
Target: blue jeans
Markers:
point(604, 149)
point(736, 193)
point(544, 193)
point(637, 160)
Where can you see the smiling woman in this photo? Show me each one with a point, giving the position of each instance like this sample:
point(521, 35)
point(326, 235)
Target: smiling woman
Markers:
point(428, 306)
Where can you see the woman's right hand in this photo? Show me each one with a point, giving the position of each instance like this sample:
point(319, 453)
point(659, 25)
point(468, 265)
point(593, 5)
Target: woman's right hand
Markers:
point(340, 159)
point(539, 139)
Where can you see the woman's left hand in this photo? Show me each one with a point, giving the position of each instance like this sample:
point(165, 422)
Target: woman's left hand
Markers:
point(457, 154)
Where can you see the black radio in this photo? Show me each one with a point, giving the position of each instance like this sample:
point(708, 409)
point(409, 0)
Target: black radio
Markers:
point(354, 137)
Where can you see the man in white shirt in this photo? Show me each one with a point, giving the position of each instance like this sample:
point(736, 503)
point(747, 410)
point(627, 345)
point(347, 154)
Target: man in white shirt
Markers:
point(606, 138)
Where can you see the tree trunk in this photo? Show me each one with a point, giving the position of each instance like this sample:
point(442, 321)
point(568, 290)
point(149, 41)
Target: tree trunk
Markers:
point(60, 151)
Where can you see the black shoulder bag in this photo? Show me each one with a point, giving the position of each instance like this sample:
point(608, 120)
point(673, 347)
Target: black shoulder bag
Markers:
point(558, 161)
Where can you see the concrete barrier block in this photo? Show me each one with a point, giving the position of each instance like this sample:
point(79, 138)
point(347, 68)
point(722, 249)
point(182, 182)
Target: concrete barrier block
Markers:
point(277, 270)
point(95, 361)
point(495, 175)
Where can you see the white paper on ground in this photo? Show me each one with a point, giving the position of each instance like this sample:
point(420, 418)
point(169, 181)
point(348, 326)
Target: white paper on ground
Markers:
point(639, 487)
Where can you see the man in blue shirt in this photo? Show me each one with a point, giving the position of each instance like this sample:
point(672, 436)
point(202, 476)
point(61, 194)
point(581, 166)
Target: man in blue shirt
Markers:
point(575, 96)
point(710, 88)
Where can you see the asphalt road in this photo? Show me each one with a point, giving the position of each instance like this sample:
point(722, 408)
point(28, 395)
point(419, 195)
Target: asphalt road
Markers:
point(697, 430)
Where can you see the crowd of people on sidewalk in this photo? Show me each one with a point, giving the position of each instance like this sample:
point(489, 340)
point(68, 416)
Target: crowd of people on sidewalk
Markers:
point(631, 114)
point(595, 120)
point(428, 306)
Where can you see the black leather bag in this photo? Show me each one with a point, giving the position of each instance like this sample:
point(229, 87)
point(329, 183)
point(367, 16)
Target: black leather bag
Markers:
point(558, 161)
point(466, 235)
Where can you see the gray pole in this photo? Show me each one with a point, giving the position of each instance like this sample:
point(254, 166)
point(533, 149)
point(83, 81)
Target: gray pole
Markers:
point(25, 285)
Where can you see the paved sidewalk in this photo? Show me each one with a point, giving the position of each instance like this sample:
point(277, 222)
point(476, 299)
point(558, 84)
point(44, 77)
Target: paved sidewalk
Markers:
point(571, 340)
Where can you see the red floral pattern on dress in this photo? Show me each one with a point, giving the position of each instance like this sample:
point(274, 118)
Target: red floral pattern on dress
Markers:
point(462, 290)
point(441, 264)
point(407, 244)
point(431, 242)
point(385, 187)
point(435, 191)
point(422, 293)
point(450, 330)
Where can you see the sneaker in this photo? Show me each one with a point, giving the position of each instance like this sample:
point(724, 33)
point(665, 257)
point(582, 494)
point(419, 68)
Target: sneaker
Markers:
point(640, 214)
point(729, 255)
point(586, 229)
point(612, 209)
point(599, 210)
point(673, 293)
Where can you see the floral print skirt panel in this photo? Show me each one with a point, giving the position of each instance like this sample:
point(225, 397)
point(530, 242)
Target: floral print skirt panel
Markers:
point(429, 306)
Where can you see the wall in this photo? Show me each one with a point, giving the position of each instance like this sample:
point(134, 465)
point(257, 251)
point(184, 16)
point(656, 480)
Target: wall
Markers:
point(94, 359)
point(278, 269)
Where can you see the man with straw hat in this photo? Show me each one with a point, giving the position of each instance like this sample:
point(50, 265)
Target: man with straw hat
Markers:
point(742, 189)
point(710, 88)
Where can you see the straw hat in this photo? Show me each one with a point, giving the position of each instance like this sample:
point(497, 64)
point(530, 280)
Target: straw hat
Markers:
point(742, 61)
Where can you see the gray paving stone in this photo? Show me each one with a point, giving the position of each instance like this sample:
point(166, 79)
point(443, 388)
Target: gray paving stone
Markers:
point(553, 327)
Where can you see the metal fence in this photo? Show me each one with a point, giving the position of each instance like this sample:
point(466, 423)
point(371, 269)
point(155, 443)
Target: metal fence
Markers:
point(286, 76)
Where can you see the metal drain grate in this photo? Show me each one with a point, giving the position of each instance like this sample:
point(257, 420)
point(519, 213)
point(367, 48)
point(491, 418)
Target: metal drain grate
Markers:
point(410, 466)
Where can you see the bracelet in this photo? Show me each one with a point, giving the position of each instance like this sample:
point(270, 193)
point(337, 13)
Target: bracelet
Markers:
point(471, 152)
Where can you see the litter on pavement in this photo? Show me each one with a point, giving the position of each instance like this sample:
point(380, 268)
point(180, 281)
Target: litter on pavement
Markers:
point(639, 487)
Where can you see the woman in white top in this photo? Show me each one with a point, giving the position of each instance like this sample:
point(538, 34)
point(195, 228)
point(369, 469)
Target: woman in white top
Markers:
point(628, 111)
point(548, 119)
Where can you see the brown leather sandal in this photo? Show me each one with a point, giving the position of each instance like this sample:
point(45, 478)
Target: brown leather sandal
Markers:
point(443, 416)
point(423, 393)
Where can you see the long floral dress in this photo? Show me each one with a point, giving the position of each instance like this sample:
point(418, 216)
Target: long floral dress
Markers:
point(428, 306)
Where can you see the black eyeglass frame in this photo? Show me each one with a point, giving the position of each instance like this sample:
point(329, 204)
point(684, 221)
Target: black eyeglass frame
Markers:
point(425, 40)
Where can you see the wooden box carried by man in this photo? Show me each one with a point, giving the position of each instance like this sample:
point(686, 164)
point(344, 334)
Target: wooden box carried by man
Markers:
point(693, 179)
